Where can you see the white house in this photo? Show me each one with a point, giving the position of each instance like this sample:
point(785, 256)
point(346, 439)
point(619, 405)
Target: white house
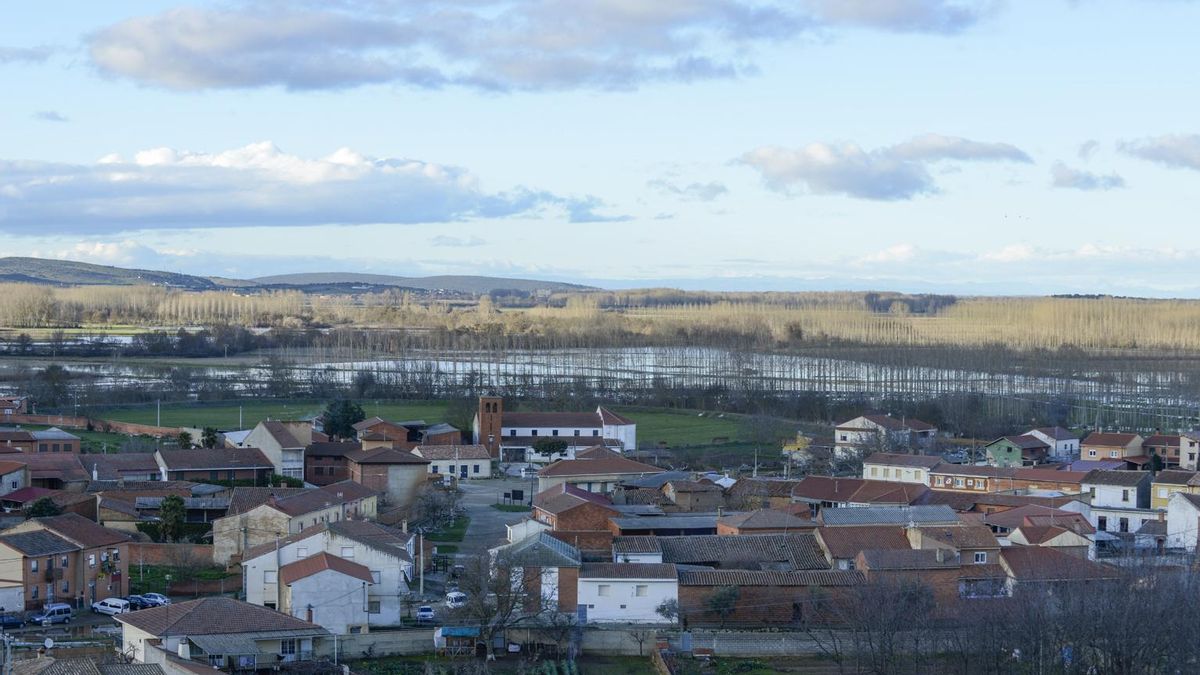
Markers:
point(512, 435)
point(13, 476)
point(880, 432)
point(283, 443)
point(626, 592)
point(464, 461)
point(899, 468)
point(1189, 449)
point(329, 591)
point(1063, 444)
point(1120, 500)
point(388, 556)
point(1183, 521)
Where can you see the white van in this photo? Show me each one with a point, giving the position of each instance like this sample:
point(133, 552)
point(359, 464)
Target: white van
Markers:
point(111, 606)
point(55, 612)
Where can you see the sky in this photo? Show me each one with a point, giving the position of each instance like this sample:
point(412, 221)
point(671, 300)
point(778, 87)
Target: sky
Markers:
point(964, 146)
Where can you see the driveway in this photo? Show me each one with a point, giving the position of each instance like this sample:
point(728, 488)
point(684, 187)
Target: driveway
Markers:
point(488, 525)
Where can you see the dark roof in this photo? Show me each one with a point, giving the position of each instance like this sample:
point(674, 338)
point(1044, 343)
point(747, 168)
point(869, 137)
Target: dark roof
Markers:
point(62, 465)
point(636, 544)
point(667, 521)
point(844, 543)
point(961, 536)
point(1057, 433)
point(1174, 477)
point(80, 530)
point(27, 494)
point(678, 485)
point(1011, 519)
point(799, 550)
point(627, 571)
point(656, 480)
point(1118, 440)
point(313, 564)
point(48, 665)
point(765, 519)
point(282, 435)
point(384, 456)
point(700, 577)
point(1116, 478)
point(1089, 464)
point(113, 466)
point(372, 535)
point(564, 497)
point(826, 489)
point(896, 459)
point(611, 464)
point(214, 459)
point(331, 448)
point(38, 543)
point(1024, 442)
point(1153, 527)
point(1162, 440)
point(215, 616)
point(443, 452)
point(245, 498)
point(888, 515)
point(1044, 563)
point(911, 559)
point(763, 487)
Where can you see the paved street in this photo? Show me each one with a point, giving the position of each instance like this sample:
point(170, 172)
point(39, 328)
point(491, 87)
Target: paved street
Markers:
point(487, 527)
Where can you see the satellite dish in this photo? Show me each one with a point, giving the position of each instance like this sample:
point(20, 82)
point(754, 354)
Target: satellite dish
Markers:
point(48, 643)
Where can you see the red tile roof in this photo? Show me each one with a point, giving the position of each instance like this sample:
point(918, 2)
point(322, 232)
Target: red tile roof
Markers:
point(214, 459)
point(1044, 563)
point(79, 530)
point(1109, 440)
point(455, 452)
point(845, 543)
point(614, 464)
point(214, 616)
point(7, 467)
point(306, 567)
point(385, 456)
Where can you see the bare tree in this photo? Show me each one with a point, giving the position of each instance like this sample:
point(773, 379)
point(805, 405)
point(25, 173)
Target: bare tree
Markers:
point(497, 596)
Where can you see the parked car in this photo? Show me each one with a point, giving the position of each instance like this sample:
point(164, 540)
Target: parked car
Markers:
point(57, 612)
point(157, 598)
point(111, 606)
point(456, 599)
point(425, 613)
point(12, 620)
point(137, 602)
point(529, 472)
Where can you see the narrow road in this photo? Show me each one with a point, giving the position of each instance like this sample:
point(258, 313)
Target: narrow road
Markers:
point(488, 526)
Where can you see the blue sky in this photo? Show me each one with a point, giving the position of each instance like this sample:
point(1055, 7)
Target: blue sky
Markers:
point(952, 145)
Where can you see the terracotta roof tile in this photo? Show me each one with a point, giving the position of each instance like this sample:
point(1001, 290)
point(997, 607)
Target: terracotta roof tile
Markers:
point(456, 452)
point(214, 616)
point(627, 571)
point(214, 459)
point(845, 543)
point(306, 567)
point(695, 577)
point(600, 466)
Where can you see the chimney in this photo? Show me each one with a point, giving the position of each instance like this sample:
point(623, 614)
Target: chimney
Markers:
point(720, 512)
point(404, 526)
point(95, 473)
point(162, 471)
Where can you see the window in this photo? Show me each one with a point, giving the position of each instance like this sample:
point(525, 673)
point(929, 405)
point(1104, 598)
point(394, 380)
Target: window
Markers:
point(91, 560)
point(554, 433)
point(475, 468)
point(270, 576)
point(595, 432)
point(958, 482)
point(981, 557)
point(452, 468)
point(64, 562)
point(641, 591)
point(576, 432)
point(981, 588)
point(374, 576)
point(269, 605)
point(320, 471)
point(970, 483)
point(1102, 523)
point(874, 471)
point(512, 432)
point(66, 587)
point(1124, 495)
point(533, 433)
point(301, 551)
point(604, 590)
point(348, 552)
point(1091, 453)
point(1113, 453)
point(887, 473)
point(216, 660)
point(34, 594)
point(372, 607)
point(287, 647)
point(1162, 492)
point(435, 467)
point(42, 447)
point(1123, 525)
point(55, 447)
point(33, 566)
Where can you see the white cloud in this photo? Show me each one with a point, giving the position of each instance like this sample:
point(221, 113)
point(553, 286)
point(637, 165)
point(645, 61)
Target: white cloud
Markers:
point(25, 54)
point(50, 116)
point(122, 252)
point(456, 242)
point(1177, 151)
point(1063, 176)
point(258, 184)
point(893, 254)
point(892, 173)
point(487, 44)
point(1010, 253)
point(701, 192)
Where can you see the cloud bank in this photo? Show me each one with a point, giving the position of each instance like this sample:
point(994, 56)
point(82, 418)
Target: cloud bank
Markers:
point(892, 173)
point(256, 185)
point(1176, 151)
point(1063, 176)
point(486, 44)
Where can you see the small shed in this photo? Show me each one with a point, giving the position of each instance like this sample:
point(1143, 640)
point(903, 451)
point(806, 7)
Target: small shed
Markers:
point(456, 640)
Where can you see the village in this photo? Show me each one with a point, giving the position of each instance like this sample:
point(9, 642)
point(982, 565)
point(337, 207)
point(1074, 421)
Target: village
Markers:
point(540, 535)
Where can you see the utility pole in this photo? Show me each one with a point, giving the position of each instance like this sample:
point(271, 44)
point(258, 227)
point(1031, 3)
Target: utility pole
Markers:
point(421, 556)
point(158, 413)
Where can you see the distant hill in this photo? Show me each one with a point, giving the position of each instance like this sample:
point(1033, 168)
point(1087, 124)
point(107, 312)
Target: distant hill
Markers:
point(454, 283)
point(73, 273)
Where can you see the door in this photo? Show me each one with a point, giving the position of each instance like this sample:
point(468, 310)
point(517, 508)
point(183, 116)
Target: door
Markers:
point(462, 471)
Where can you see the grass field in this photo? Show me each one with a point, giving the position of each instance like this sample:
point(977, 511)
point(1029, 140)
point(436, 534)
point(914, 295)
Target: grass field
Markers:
point(226, 415)
point(680, 427)
point(99, 441)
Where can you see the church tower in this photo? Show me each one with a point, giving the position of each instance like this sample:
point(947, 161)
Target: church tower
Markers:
point(491, 413)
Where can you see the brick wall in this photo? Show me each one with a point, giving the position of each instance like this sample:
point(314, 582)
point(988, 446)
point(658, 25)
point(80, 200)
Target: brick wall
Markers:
point(169, 554)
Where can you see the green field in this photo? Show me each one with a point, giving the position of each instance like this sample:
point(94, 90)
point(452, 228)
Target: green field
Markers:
point(226, 415)
point(99, 441)
point(680, 427)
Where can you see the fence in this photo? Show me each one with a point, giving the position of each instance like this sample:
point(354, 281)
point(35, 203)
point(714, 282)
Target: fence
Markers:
point(380, 643)
point(178, 555)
